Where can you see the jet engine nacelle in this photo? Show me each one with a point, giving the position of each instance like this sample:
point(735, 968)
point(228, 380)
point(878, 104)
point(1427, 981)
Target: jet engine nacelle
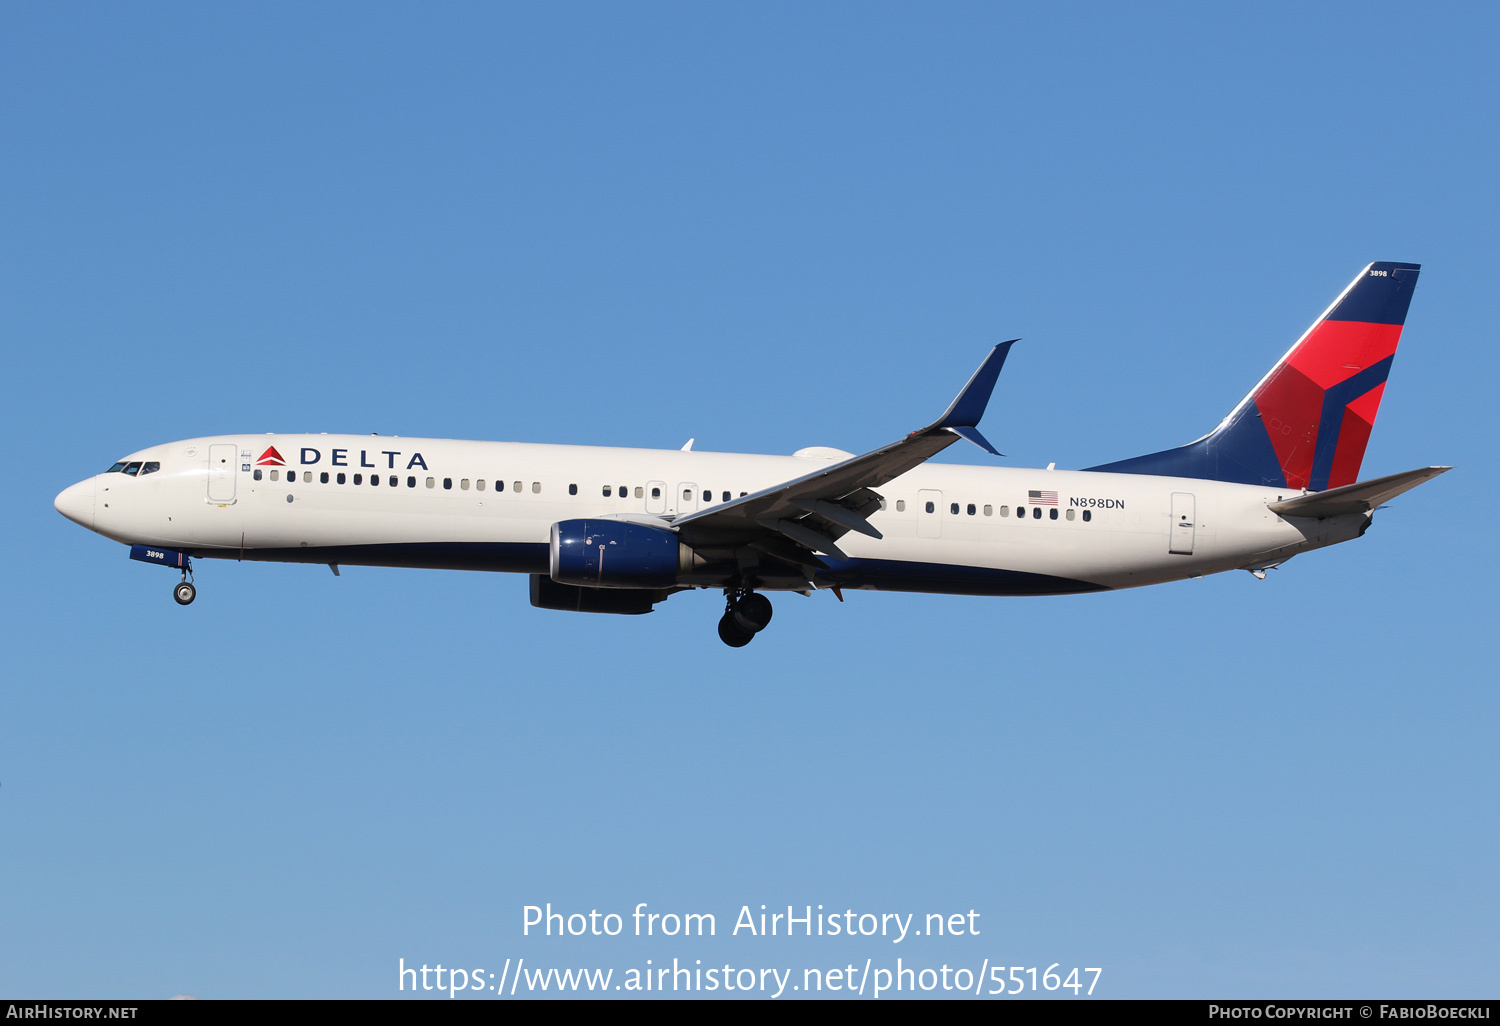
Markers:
point(616, 554)
point(548, 594)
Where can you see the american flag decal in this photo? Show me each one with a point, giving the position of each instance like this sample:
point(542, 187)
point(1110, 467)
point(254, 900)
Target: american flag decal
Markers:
point(1042, 498)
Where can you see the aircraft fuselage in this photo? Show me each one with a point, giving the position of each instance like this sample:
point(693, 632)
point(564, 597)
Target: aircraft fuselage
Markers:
point(471, 505)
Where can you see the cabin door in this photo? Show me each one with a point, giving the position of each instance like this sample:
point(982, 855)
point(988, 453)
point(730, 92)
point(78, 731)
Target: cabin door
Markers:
point(1183, 520)
point(221, 467)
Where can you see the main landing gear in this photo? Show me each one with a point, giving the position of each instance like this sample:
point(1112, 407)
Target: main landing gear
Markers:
point(746, 614)
point(184, 592)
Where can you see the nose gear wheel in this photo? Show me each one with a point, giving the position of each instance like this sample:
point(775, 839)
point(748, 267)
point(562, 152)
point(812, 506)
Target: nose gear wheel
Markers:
point(183, 591)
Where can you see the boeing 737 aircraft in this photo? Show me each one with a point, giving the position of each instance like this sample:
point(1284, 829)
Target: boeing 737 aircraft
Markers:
point(608, 530)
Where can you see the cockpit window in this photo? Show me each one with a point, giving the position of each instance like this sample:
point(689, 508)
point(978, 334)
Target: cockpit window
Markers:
point(149, 468)
point(116, 468)
point(132, 468)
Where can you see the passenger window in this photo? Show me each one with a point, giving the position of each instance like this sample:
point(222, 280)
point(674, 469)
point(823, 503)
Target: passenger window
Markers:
point(479, 484)
point(464, 484)
point(374, 480)
point(639, 491)
point(900, 505)
point(656, 493)
point(431, 481)
point(516, 487)
point(1070, 514)
point(572, 489)
point(256, 475)
point(687, 495)
point(358, 478)
point(606, 491)
point(970, 509)
point(536, 488)
point(708, 496)
point(307, 477)
point(1052, 513)
point(1087, 515)
point(624, 492)
point(411, 482)
point(743, 494)
point(726, 496)
point(447, 484)
point(931, 508)
point(988, 509)
point(150, 468)
point(323, 477)
point(1036, 513)
point(342, 478)
point(394, 480)
point(1005, 511)
point(132, 469)
point(275, 474)
point(953, 508)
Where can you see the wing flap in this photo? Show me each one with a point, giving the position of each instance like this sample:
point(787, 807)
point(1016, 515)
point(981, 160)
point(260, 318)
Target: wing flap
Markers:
point(814, 541)
point(840, 515)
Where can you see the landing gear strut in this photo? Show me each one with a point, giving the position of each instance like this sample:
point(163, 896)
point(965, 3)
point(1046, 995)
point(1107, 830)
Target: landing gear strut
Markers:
point(184, 592)
point(746, 614)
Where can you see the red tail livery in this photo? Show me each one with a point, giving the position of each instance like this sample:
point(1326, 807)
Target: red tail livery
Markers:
point(1306, 424)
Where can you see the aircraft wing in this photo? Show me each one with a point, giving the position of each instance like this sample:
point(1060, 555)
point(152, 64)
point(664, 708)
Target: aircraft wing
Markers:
point(793, 520)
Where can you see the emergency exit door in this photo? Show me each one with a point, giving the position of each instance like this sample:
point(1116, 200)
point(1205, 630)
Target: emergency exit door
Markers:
point(929, 513)
point(656, 496)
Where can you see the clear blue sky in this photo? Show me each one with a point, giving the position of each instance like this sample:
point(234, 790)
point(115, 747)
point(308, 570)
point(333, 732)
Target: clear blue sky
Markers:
point(765, 226)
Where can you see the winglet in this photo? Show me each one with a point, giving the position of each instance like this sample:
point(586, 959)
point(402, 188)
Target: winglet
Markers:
point(973, 435)
point(962, 418)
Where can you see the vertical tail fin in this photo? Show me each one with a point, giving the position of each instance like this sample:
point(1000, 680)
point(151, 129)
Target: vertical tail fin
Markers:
point(1306, 424)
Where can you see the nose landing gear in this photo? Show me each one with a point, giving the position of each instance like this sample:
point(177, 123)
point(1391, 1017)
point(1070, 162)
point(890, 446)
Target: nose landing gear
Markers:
point(746, 614)
point(184, 592)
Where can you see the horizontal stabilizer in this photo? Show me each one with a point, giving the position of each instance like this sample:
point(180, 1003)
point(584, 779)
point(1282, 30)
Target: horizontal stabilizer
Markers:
point(1355, 498)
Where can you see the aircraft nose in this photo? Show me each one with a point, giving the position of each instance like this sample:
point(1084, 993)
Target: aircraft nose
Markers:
point(76, 502)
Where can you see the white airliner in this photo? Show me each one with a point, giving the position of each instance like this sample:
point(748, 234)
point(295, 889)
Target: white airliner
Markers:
point(611, 530)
